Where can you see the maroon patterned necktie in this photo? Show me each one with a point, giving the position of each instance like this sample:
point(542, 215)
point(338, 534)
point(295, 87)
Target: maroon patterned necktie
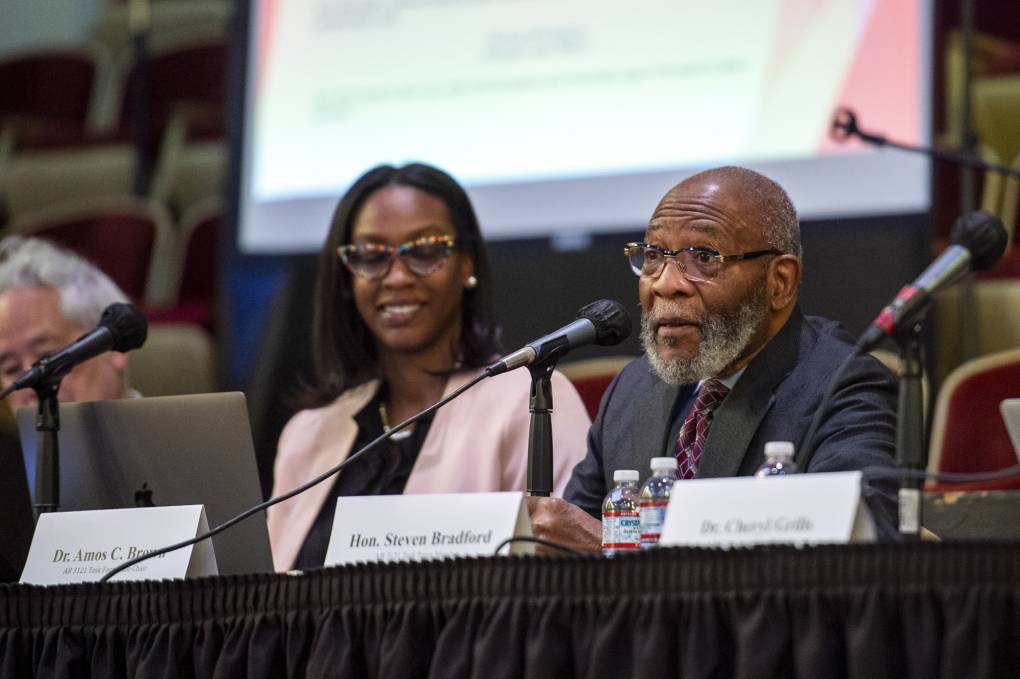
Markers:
point(691, 440)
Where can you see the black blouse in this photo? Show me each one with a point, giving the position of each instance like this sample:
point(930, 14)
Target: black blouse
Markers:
point(383, 471)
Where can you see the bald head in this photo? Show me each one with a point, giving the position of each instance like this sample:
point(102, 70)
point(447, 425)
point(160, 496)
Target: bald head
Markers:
point(758, 199)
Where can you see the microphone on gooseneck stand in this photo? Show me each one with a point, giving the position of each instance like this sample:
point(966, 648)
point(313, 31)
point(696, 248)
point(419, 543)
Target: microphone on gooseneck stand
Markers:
point(121, 328)
point(603, 322)
point(844, 126)
point(977, 241)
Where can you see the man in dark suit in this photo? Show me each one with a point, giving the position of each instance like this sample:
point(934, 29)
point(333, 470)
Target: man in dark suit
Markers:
point(730, 362)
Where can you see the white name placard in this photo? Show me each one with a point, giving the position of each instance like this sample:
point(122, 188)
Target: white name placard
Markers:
point(83, 546)
point(797, 509)
point(415, 527)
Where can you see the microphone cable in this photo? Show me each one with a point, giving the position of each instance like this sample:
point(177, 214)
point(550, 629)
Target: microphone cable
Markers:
point(538, 541)
point(877, 472)
point(300, 489)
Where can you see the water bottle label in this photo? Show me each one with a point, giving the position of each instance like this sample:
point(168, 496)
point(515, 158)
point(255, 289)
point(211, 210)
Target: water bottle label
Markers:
point(910, 510)
point(621, 531)
point(653, 513)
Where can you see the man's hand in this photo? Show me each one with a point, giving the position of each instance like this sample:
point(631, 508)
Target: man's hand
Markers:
point(565, 524)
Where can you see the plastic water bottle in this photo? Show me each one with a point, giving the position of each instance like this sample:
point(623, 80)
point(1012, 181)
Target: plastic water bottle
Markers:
point(778, 460)
point(621, 517)
point(654, 498)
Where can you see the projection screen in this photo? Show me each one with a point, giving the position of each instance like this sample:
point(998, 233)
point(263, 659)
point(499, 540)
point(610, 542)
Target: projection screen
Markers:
point(571, 116)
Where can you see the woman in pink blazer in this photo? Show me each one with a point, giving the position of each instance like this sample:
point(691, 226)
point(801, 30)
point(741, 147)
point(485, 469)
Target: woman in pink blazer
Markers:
point(401, 319)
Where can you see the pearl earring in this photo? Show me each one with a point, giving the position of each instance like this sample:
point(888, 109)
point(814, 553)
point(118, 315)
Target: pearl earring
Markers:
point(471, 282)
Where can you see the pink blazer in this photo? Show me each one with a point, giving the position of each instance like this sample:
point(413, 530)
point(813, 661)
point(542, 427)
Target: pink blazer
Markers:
point(476, 443)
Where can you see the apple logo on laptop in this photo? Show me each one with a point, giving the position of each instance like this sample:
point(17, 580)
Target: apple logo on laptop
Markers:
point(143, 496)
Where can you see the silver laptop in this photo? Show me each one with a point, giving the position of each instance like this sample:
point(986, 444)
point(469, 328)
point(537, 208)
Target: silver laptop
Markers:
point(167, 450)
point(1010, 409)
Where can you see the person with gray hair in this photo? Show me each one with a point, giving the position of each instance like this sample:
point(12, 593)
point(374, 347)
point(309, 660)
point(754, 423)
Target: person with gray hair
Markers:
point(730, 362)
point(49, 297)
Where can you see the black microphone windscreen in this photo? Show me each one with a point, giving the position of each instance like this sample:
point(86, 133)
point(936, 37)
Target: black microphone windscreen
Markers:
point(844, 124)
point(127, 324)
point(983, 234)
point(612, 324)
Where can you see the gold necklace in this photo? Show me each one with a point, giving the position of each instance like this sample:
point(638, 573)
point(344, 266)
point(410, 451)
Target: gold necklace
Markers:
point(384, 416)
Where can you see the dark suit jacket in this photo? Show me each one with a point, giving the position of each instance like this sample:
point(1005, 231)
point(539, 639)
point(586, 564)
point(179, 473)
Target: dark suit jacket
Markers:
point(774, 400)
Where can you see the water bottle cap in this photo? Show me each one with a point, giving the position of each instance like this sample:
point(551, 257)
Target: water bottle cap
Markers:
point(779, 449)
point(625, 475)
point(663, 464)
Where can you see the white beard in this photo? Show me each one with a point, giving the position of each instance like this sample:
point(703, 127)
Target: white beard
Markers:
point(724, 337)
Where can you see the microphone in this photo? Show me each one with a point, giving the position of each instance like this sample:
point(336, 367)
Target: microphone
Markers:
point(844, 126)
point(121, 328)
point(603, 322)
point(978, 240)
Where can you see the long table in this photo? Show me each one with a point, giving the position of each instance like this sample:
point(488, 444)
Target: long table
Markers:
point(910, 610)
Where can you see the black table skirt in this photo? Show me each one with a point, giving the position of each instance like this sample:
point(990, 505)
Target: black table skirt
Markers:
point(916, 610)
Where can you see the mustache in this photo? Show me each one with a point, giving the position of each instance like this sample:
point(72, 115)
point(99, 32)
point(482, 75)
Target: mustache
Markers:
point(671, 316)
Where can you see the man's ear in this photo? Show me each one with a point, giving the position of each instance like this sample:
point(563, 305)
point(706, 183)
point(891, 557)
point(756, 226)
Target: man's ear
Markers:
point(784, 279)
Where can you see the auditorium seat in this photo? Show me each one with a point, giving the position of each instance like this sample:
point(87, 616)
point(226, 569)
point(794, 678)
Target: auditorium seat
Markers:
point(53, 97)
point(990, 56)
point(198, 252)
point(171, 22)
point(196, 268)
point(39, 179)
point(128, 238)
point(996, 306)
point(591, 377)
point(996, 110)
point(177, 358)
point(996, 293)
point(199, 176)
point(185, 99)
point(967, 433)
point(52, 100)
